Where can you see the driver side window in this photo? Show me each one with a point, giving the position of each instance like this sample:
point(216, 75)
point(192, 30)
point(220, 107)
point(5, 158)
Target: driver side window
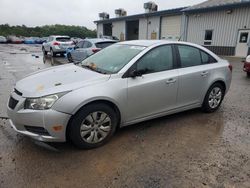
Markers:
point(157, 60)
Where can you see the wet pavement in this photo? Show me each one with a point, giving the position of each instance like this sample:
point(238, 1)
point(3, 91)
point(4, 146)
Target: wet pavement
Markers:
point(190, 149)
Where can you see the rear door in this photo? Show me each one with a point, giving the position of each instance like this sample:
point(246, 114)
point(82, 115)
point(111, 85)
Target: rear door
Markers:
point(155, 91)
point(86, 50)
point(194, 75)
point(76, 53)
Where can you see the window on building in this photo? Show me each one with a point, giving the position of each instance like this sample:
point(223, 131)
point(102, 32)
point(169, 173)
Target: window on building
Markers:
point(156, 60)
point(243, 37)
point(208, 37)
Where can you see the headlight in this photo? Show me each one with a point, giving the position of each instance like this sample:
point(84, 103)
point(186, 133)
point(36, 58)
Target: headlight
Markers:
point(42, 103)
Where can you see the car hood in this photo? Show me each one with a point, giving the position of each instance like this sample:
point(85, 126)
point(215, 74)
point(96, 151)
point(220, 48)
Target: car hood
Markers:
point(58, 79)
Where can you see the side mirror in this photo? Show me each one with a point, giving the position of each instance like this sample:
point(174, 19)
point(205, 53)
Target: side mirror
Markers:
point(136, 73)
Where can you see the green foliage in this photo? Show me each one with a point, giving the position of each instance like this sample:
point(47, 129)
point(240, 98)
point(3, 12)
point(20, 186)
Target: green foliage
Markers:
point(47, 30)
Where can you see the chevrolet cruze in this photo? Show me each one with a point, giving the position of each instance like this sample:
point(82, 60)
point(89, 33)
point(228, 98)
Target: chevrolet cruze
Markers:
point(123, 84)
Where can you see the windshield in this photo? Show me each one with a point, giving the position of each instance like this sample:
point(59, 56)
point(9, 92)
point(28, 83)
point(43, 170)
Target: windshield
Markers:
point(63, 39)
point(112, 59)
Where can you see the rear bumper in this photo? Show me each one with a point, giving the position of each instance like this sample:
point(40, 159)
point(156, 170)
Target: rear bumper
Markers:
point(60, 49)
point(21, 118)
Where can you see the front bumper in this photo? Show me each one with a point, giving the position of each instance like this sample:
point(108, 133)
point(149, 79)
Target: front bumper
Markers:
point(21, 118)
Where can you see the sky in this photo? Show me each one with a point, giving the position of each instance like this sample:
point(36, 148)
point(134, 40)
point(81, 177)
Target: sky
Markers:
point(73, 12)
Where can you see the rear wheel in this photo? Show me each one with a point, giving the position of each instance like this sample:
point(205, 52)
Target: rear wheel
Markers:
point(52, 53)
point(69, 56)
point(93, 126)
point(213, 98)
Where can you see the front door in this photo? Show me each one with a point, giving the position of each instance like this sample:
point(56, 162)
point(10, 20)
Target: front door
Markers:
point(243, 43)
point(156, 90)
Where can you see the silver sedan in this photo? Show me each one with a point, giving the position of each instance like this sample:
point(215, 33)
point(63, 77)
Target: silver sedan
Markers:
point(123, 84)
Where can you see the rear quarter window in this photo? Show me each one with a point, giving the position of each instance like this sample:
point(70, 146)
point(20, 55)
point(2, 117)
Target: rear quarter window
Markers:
point(103, 44)
point(206, 58)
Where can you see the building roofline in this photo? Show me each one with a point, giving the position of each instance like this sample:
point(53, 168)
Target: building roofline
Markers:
point(215, 8)
point(176, 11)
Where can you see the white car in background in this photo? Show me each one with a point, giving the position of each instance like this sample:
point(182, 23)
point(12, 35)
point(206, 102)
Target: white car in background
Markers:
point(3, 39)
point(57, 45)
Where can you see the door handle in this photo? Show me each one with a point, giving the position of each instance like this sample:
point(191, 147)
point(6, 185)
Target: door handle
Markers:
point(171, 81)
point(204, 73)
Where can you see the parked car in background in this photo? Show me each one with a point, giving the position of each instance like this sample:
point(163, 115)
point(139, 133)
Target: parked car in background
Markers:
point(87, 47)
point(15, 40)
point(29, 40)
point(246, 66)
point(75, 39)
point(57, 45)
point(123, 84)
point(3, 39)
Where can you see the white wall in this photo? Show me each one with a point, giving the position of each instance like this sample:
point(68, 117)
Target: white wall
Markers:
point(225, 26)
point(99, 29)
point(148, 26)
point(118, 28)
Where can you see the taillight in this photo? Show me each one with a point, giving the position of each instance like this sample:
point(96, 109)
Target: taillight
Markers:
point(94, 50)
point(230, 67)
point(56, 43)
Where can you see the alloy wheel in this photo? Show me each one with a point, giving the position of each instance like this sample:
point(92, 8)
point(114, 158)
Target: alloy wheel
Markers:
point(215, 97)
point(95, 127)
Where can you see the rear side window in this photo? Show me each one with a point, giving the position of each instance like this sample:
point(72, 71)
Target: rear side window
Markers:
point(206, 58)
point(156, 60)
point(63, 39)
point(79, 44)
point(189, 56)
point(87, 44)
point(103, 44)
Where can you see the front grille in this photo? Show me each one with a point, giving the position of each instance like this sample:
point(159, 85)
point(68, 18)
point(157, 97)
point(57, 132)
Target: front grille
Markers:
point(17, 92)
point(37, 130)
point(12, 103)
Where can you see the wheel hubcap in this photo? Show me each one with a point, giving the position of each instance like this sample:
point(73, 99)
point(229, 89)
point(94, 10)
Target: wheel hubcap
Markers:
point(215, 97)
point(95, 127)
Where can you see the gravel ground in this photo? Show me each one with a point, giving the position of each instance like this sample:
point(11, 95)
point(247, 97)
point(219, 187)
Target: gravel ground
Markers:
point(190, 149)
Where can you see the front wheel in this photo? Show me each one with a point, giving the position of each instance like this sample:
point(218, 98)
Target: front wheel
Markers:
point(213, 98)
point(44, 51)
point(93, 126)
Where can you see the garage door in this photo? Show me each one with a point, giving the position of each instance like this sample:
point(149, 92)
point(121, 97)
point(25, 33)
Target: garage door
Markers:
point(170, 27)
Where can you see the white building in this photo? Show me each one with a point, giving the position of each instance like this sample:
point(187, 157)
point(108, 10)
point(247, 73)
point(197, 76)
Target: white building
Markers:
point(223, 26)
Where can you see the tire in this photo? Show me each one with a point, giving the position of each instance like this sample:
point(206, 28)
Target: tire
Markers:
point(52, 53)
point(69, 56)
point(213, 98)
point(84, 130)
point(44, 51)
point(248, 74)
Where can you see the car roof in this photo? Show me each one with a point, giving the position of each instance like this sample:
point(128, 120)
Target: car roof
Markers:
point(95, 40)
point(59, 36)
point(148, 43)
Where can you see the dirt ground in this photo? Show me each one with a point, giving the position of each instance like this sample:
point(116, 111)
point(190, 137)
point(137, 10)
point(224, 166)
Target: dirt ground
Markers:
point(190, 149)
